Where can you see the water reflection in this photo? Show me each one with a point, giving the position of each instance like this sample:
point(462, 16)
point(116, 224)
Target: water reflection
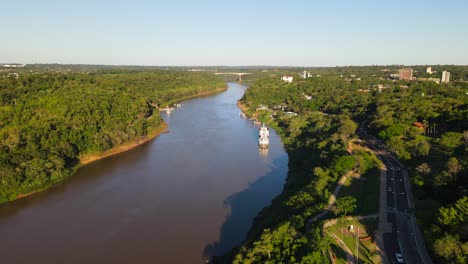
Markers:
point(263, 153)
point(244, 206)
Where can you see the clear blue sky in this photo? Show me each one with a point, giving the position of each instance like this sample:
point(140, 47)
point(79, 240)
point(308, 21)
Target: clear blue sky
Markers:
point(254, 32)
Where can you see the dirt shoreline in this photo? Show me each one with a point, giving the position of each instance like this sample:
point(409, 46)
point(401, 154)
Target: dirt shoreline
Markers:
point(242, 107)
point(86, 159)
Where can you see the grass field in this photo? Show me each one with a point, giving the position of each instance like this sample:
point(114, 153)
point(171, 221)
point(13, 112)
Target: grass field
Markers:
point(366, 189)
point(366, 249)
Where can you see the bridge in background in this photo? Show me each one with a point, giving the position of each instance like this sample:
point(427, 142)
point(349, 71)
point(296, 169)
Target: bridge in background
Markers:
point(239, 74)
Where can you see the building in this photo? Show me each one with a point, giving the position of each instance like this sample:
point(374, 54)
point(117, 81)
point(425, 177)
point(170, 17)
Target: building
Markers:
point(305, 74)
point(15, 65)
point(394, 75)
point(287, 79)
point(429, 70)
point(445, 77)
point(406, 74)
point(436, 80)
point(419, 125)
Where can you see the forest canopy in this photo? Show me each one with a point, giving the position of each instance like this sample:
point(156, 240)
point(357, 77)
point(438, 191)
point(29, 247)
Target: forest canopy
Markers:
point(48, 120)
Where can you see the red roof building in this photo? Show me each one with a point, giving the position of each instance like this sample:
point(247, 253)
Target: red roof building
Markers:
point(419, 124)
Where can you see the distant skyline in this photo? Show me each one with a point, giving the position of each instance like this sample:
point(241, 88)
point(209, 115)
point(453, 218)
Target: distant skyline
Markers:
point(205, 32)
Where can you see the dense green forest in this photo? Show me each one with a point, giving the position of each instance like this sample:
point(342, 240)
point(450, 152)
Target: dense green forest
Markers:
point(329, 109)
point(51, 118)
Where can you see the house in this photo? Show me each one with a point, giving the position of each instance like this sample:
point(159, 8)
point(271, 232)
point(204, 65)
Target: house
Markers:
point(305, 75)
point(418, 125)
point(287, 79)
point(262, 107)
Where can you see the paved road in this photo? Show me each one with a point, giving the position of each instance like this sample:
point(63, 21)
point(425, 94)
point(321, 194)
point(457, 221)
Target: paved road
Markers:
point(404, 237)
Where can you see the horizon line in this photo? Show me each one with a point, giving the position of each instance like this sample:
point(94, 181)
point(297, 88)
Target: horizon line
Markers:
point(226, 65)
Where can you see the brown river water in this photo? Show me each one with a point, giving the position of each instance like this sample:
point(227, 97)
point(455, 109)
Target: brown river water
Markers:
point(187, 195)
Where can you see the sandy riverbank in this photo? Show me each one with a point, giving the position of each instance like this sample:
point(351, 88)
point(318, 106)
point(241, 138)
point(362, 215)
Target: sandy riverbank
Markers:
point(86, 159)
point(242, 107)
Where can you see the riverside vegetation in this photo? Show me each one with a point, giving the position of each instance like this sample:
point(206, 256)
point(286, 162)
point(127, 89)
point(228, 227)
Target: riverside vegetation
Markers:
point(50, 119)
point(317, 141)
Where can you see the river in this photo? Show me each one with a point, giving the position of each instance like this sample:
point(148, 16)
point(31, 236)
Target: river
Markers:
point(187, 195)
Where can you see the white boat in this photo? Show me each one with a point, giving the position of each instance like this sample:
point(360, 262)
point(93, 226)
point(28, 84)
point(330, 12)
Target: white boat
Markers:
point(168, 109)
point(263, 131)
point(263, 137)
point(243, 115)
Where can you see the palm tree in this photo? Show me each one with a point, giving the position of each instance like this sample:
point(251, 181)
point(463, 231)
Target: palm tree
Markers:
point(423, 169)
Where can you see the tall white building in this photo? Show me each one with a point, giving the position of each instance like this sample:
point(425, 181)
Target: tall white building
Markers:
point(429, 70)
point(445, 77)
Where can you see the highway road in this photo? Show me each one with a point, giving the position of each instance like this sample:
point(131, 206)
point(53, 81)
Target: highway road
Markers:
point(404, 237)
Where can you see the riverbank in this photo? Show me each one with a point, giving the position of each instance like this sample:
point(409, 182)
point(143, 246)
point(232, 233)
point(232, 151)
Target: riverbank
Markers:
point(86, 159)
point(242, 107)
point(311, 178)
point(89, 158)
point(168, 174)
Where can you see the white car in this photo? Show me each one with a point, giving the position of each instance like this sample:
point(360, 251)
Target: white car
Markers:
point(399, 257)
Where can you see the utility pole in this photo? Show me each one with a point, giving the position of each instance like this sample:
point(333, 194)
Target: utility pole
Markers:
point(357, 245)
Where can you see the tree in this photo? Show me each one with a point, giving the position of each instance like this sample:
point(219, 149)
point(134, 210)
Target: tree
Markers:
point(264, 245)
point(347, 128)
point(394, 130)
point(451, 140)
point(345, 205)
point(465, 137)
point(397, 145)
point(448, 216)
point(451, 249)
point(322, 177)
point(442, 179)
point(455, 214)
point(49, 120)
point(453, 167)
point(422, 148)
point(344, 164)
point(418, 180)
point(423, 169)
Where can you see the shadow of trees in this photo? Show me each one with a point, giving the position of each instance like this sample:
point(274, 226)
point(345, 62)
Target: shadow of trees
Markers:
point(245, 205)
